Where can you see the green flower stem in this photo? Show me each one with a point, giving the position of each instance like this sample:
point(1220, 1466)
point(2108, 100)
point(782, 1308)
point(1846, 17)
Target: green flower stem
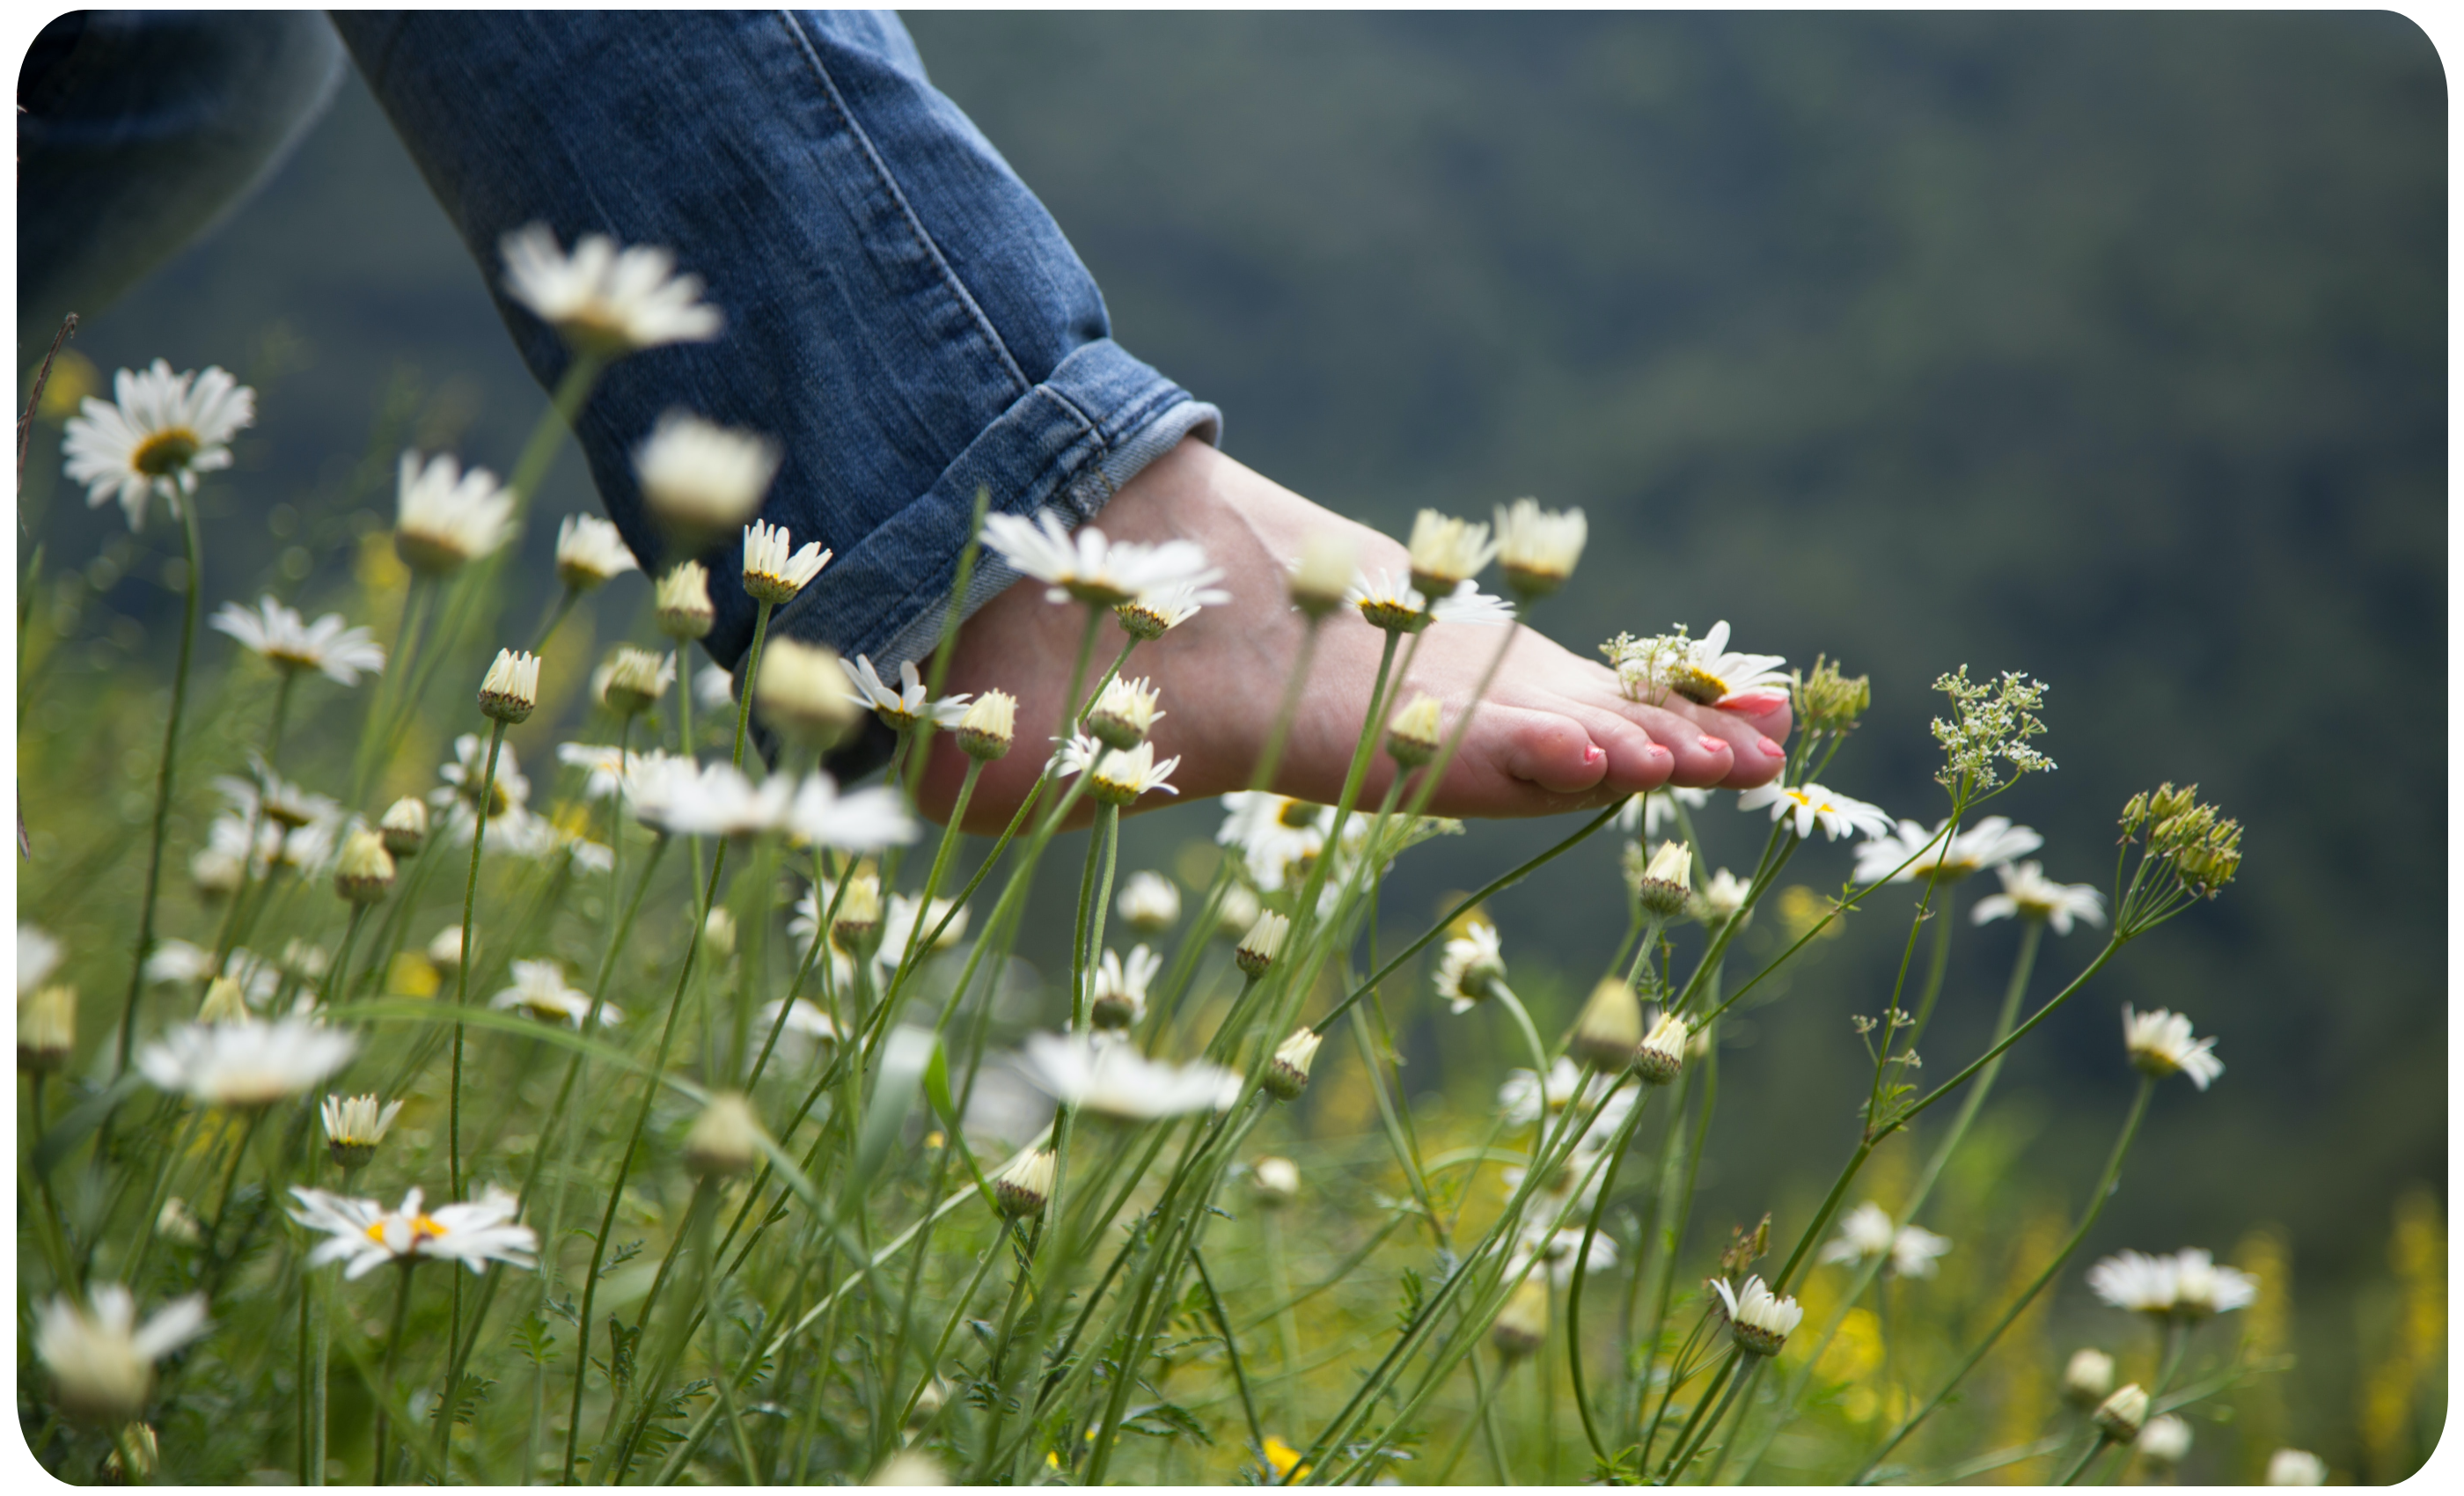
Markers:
point(470, 952)
point(1271, 757)
point(2112, 947)
point(1305, 905)
point(1288, 1324)
point(632, 1146)
point(376, 724)
point(915, 943)
point(1582, 1269)
point(1722, 1388)
point(2105, 1185)
point(2087, 1457)
point(752, 674)
point(949, 1328)
point(556, 618)
point(1530, 1036)
point(1486, 1395)
point(192, 597)
point(1670, 1238)
point(389, 1394)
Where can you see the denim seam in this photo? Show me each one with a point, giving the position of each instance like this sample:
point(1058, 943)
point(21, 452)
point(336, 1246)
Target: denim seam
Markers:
point(888, 185)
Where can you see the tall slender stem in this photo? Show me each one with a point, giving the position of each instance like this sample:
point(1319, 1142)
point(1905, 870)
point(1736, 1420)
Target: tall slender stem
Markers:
point(470, 951)
point(191, 600)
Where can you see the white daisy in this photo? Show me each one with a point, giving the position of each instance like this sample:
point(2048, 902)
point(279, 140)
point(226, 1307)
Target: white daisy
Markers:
point(2166, 1440)
point(247, 1063)
point(1105, 1076)
point(1149, 901)
point(1523, 1096)
point(590, 551)
point(276, 634)
point(354, 1126)
point(102, 1360)
point(1393, 603)
point(867, 820)
point(898, 927)
point(2026, 891)
point(807, 1029)
point(1704, 670)
point(605, 766)
point(1124, 711)
point(1758, 1319)
point(1155, 612)
point(1088, 566)
point(1537, 548)
point(1724, 893)
point(1558, 1252)
point(157, 434)
point(1118, 994)
point(632, 680)
point(2159, 1044)
point(368, 1235)
point(1863, 1232)
point(703, 480)
point(539, 990)
point(602, 300)
point(773, 571)
point(1114, 777)
point(2188, 1284)
point(1914, 1249)
point(1808, 805)
point(1467, 964)
point(1446, 552)
point(444, 517)
point(509, 793)
point(1276, 834)
point(682, 798)
point(902, 708)
point(713, 687)
point(1939, 859)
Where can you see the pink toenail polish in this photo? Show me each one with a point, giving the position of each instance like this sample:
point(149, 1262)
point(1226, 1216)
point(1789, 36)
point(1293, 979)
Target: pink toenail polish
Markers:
point(1753, 703)
point(1771, 750)
point(1655, 751)
point(1712, 744)
point(1591, 755)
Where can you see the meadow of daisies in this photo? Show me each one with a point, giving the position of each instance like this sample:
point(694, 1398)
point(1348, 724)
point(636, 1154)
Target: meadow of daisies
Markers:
point(665, 1110)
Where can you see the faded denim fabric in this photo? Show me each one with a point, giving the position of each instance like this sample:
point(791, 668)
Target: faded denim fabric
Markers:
point(902, 315)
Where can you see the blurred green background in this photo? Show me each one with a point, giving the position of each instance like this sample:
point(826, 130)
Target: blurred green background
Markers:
point(2107, 348)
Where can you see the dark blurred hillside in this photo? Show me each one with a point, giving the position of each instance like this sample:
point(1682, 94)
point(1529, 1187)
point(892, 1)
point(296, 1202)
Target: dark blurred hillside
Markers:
point(2106, 347)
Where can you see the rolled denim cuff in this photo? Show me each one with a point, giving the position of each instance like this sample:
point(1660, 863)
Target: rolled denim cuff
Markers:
point(1068, 445)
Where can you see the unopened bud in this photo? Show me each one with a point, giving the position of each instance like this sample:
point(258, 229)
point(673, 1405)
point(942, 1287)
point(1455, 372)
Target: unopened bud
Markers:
point(1277, 1181)
point(801, 692)
point(1662, 1052)
point(856, 927)
point(633, 680)
point(1413, 738)
point(509, 693)
point(1124, 713)
point(1610, 1030)
point(685, 611)
point(1446, 551)
point(1259, 947)
point(726, 1140)
point(1523, 1324)
point(719, 932)
point(1667, 882)
point(1150, 902)
point(1287, 1074)
point(1323, 573)
point(405, 826)
point(2166, 1440)
point(133, 1456)
point(2088, 1380)
point(2122, 1415)
point(986, 732)
point(46, 1029)
point(1022, 1189)
point(1537, 548)
point(364, 872)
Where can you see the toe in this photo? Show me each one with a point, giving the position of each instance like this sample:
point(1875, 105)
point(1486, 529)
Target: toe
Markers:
point(1766, 711)
point(1554, 753)
point(1754, 757)
point(1635, 762)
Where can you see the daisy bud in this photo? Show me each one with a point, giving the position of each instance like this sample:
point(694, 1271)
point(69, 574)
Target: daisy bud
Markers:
point(354, 1126)
point(1123, 714)
point(910, 1467)
point(2088, 1380)
point(2166, 1440)
point(134, 1458)
point(801, 692)
point(1611, 1028)
point(225, 1002)
point(2296, 1467)
point(1523, 1324)
point(511, 691)
point(405, 826)
point(774, 574)
point(364, 872)
point(1662, 1054)
point(699, 481)
point(445, 952)
point(1324, 571)
point(635, 679)
point(46, 1029)
point(1259, 947)
point(590, 551)
point(684, 606)
point(175, 1222)
point(719, 932)
point(1413, 738)
point(1150, 902)
point(726, 1140)
point(1668, 881)
point(1445, 551)
point(1238, 912)
point(1276, 1180)
point(1023, 1188)
point(856, 928)
point(2122, 1415)
point(216, 874)
point(1288, 1072)
point(986, 732)
point(1536, 547)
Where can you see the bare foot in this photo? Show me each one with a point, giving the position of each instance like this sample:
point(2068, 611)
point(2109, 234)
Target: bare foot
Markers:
point(1553, 734)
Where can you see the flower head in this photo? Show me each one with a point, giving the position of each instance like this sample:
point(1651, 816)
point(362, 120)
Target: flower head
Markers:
point(801, 692)
point(1467, 963)
point(1088, 566)
point(1536, 547)
point(509, 693)
point(2188, 1284)
point(1108, 1076)
point(1609, 1029)
point(1288, 1071)
point(364, 872)
point(102, 1359)
point(590, 551)
point(1939, 857)
point(807, 1029)
point(368, 1235)
point(46, 1027)
point(727, 1140)
point(539, 990)
point(1988, 729)
point(1124, 713)
point(1276, 1180)
point(1118, 777)
point(1417, 733)
point(354, 1126)
point(1158, 610)
point(1644, 815)
point(1023, 1188)
point(2296, 1467)
point(867, 820)
point(277, 634)
point(1810, 805)
point(1914, 1249)
point(683, 601)
point(1758, 1319)
point(1118, 994)
point(633, 680)
point(1665, 883)
point(249, 1063)
point(444, 517)
point(1258, 949)
point(903, 708)
point(1704, 670)
point(2164, 1440)
point(1150, 901)
point(1522, 1325)
point(1399, 607)
point(1446, 552)
point(159, 430)
point(989, 727)
point(1662, 1054)
point(2120, 1414)
point(2088, 1380)
point(2027, 892)
point(1319, 579)
point(773, 573)
point(699, 480)
point(602, 300)
point(2159, 1044)
point(405, 826)
point(680, 797)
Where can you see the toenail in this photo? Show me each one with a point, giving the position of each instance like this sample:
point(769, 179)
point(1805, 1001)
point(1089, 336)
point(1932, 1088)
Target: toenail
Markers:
point(1591, 755)
point(1655, 751)
point(1771, 750)
point(1753, 703)
point(1712, 744)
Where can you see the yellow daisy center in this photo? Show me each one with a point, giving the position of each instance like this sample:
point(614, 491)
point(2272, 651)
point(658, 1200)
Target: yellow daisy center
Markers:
point(1298, 814)
point(165, 452)
point(1697, 684)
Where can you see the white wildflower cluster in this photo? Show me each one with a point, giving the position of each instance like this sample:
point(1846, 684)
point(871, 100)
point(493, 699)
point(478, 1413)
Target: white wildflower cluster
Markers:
point(1867, 1232)
point(1989, 728)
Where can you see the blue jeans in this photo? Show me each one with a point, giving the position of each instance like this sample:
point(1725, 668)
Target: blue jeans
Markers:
point(903, 315)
